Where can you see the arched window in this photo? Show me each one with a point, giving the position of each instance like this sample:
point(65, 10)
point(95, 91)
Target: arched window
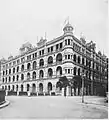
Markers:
point(34, 65)
point(28, 76)
point(6, 80)
point(17, 77)
point(50, 60)
point(9, 71)
point(41, 63)
point(3, 80)
point(40, 87)
point(34, 75)
point(33, 88)
point(28, 87)
point(3, 72)
point(83, 61)
point(59, 57)
point(22, 68)
point(74, 72)
point(16, 87)
point(50, 72)
point(17, 68)
point(13, 87)
point(74, 58)
point(9, 79)
point(13, 78)
point(8, 87)
point(21, 88)
point(28, 66)
point(58, 86)
point(59, 70)
point(13, 70)
point(49, 86)
point(78, 71)
point(22, 76)
point(6, 72)
point(41, 74)
point(79, 60)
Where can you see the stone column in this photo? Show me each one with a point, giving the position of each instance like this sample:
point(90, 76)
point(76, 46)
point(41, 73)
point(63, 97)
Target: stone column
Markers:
point(76, 91)
point(67, 91)
point(18, 93)
point(6, 92)
point(29, 92)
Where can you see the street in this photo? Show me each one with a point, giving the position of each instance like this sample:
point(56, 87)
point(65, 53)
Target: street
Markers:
point(57, 107)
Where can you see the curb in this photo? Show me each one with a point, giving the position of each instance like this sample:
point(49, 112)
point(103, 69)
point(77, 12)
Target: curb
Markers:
point(6, 103)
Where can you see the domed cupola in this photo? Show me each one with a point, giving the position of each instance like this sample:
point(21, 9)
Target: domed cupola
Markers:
point(68, 28)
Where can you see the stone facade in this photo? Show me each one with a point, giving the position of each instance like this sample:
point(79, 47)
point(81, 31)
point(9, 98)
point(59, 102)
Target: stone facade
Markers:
point(37, 69)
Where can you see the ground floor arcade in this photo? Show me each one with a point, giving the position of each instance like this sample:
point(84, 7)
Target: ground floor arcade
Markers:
point(48, 86)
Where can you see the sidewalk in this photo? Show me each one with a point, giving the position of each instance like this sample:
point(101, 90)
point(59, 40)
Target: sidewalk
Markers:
point(6, 103)
point(95, 100)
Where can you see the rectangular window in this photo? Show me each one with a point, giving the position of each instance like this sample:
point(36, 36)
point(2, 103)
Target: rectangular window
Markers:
point(9, 64)
point(27, 58)
point(65, 56)
point(51, 48)
point(35, 55)
point(23, 59)
point(71, 71)
point(14, 63)
point(68, 71)
point(71, 57)
point(68, 41)
point(57, 46)
point(3, 66)
point(65, 42)
point(18, 61)
point(39, 52)
point(42, 52)
point(48, 50)
point(6, 65)
point(30, 57)
point(68, 56)
point(60, 45)
point(65, 70)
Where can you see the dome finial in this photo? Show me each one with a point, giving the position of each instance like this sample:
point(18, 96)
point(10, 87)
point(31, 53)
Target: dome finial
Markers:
point(68, 27)
point(66, 21)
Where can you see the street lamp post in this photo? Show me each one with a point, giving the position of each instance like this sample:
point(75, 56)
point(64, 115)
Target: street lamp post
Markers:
point(82, 87)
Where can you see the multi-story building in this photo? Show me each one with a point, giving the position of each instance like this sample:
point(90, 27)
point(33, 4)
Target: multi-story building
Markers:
point(0, 73)
point(37, 69)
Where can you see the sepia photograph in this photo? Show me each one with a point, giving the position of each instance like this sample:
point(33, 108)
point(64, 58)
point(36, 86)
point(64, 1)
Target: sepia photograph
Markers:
point(54, 59)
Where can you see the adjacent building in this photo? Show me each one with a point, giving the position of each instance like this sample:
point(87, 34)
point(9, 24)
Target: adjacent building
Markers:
point(38, 69)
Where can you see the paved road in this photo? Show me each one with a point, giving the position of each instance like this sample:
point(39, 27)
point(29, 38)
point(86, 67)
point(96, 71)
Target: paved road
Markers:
point(53, 107)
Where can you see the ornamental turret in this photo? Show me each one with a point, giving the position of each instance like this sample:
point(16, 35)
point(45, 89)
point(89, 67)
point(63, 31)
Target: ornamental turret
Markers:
point(68, 28)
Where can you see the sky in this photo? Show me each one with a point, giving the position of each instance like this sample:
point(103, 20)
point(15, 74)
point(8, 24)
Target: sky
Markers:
point(24, 21)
